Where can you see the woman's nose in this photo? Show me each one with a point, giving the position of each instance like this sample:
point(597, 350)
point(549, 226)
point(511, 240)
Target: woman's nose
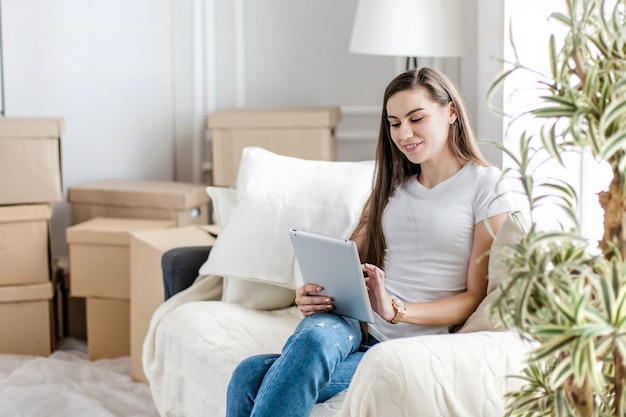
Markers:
point(405, 132)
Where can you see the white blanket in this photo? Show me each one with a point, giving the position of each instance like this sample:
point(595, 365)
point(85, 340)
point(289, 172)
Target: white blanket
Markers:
point(451, 375)
point(193, 346)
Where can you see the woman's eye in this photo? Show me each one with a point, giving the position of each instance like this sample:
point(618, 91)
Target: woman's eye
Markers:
point(416, 120)
point(394, 124)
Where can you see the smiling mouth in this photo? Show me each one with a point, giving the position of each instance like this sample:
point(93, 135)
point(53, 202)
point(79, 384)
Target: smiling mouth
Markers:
point(411, 147)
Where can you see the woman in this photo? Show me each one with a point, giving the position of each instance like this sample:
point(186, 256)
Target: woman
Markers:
point(423, 239)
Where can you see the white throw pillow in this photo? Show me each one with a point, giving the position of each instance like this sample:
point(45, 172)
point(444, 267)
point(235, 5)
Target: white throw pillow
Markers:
point(276, 193)
point(249, 294)
point(224, 200)
point(512, 230)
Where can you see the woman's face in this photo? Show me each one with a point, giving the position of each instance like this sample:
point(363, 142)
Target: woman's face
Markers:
point(419, 126)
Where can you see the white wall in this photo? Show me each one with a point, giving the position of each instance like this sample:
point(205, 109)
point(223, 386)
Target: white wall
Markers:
point(480, 66)
point(106, 67)
point(135, 78)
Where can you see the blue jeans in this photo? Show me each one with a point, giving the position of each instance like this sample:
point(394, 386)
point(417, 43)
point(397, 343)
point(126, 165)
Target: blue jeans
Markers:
point(317, 362)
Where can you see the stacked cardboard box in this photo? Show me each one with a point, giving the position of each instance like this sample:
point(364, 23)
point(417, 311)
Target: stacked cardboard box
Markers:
point(180, 202)
point(184, 203)
point(30, 181)
point(99, 260)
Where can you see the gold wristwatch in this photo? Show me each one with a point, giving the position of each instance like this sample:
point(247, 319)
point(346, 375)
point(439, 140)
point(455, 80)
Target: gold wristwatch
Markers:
point(399, 308)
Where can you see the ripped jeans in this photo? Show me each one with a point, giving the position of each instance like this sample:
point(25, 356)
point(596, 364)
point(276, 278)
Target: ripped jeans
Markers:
point(317, 362)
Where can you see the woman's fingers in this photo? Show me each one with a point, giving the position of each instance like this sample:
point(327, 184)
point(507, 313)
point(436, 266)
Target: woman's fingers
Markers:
point(311, 305)
point(310, 301)
point(308, 290)
point(374, 275)
point(371, 269)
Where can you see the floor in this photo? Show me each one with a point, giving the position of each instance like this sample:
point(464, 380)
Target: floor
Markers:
point(67, 384)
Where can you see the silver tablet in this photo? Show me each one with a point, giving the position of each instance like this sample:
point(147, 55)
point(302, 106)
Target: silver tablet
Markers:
point(334, 264)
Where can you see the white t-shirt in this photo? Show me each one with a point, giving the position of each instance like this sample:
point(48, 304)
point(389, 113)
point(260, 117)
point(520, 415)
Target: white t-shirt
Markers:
point(429, 236)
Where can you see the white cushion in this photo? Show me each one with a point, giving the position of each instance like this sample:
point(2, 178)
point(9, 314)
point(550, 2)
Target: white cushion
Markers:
point(438, 375)
point(249, 294)
point(512, 230)
point(224, 201)
point(276, 193)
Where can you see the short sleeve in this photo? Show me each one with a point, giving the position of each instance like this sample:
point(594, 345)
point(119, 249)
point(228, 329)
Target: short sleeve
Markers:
point(493, 194)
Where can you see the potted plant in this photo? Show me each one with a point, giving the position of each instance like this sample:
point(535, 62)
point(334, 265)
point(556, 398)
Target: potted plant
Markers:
point(563, 292)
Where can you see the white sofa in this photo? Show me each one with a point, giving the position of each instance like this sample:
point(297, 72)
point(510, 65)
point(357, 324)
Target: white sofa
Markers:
point(198, 336)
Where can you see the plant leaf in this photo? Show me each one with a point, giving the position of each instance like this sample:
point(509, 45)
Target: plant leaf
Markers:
point(613, 145)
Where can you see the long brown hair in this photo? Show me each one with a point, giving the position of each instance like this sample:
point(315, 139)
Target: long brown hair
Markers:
point(393, 168)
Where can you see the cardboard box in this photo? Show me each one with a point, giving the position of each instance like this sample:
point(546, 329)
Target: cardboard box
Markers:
point(184, 203)
point(146, 280)
point(25, 244)
point(99, 254)
point(307, 133)
point(108, 328)
point(26, 319)
point(30, 160)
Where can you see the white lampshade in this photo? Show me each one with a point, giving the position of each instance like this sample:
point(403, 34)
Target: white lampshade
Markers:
point(409, 28)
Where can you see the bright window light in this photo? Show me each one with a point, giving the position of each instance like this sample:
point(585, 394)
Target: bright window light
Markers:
point(529, 23)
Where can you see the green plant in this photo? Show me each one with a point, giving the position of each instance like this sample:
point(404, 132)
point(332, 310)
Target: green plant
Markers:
point(564, 292)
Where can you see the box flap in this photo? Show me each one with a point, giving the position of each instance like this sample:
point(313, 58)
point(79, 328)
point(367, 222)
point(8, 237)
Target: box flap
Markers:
point(24, 213)
point(20, 127)
point(33, 292)
point(274, 118)
point(193, 235)
point(134, 193)
point(112, 231)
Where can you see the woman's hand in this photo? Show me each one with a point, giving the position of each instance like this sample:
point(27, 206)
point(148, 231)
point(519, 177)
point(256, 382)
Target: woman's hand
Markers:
point(379, 298)
point(310, 301)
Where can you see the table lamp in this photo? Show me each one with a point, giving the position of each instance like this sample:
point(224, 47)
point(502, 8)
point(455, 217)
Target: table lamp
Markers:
point(409, 28)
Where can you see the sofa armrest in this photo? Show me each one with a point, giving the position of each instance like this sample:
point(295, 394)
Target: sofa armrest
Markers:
point(180, 267)
point(444, 375)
